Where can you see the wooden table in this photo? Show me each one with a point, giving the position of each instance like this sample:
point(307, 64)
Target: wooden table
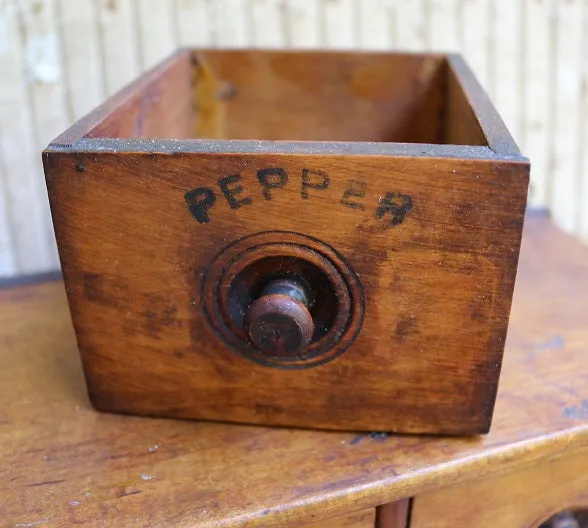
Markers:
point(62, 463)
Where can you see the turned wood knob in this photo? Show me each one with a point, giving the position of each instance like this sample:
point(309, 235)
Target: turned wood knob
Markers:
point(278, 323)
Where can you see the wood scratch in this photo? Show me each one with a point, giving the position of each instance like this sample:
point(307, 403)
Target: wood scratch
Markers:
point(45, 483)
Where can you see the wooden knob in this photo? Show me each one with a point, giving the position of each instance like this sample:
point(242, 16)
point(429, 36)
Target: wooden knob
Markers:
point(278, 323)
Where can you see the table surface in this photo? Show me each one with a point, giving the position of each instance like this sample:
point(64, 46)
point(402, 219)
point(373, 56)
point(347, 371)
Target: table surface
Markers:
point(62, 463)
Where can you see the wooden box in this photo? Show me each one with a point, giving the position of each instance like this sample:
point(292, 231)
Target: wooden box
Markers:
point(310, 239)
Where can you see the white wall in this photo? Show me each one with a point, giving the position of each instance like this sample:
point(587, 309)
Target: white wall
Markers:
point(60, 58)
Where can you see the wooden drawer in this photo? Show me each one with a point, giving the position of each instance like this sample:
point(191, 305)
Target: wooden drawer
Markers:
point(361, 519)
point(309, 228)
point(519, 499)
point(392, 515)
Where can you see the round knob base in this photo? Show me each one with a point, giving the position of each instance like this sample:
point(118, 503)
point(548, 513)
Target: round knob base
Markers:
point(279, 325)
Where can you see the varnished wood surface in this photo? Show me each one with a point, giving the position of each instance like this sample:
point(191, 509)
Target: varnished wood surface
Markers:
point(155, 105)
point(497, 136)
point(460, 123)
point(361, 519)
point(394, 514)
point(321, 96)
point(62, 462)
point(159, 107)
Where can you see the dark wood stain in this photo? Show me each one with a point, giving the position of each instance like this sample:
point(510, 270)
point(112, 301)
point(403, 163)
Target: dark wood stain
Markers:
point(406, 327)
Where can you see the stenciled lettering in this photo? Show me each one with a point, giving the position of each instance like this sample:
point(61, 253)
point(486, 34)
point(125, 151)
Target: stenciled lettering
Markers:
point(355, 189)
point(199, 201)
point(395, 205)
point(275, 178)
point(230, 192)
point(390, 210)
point(313, 179)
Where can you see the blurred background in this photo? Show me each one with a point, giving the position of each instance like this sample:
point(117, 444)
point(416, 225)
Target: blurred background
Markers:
point(61, 58)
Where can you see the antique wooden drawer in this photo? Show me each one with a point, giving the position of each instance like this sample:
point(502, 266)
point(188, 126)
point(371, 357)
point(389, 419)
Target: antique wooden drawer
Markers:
point(310, 239)
point(548, 494)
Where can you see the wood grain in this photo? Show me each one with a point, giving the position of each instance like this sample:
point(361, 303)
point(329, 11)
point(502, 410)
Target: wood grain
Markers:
point(496, 134)
point(431, 234)
point(62, 461)
point(322, 96)
point(526, 497)
point(158, 104)
point(362, 519)
point(460, 125)
point(394, 514)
